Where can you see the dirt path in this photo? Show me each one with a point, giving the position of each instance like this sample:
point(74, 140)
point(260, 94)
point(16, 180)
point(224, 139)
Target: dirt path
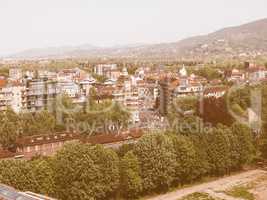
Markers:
point(261, 194)
point(260, 189)
point(218, 185)
point(220, 195)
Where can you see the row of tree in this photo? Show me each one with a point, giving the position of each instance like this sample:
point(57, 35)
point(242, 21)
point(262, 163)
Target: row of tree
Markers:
point(14, 125)
point(95, 119)
point(155, 163)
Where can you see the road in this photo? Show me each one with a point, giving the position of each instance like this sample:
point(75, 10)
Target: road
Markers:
point(214, 187)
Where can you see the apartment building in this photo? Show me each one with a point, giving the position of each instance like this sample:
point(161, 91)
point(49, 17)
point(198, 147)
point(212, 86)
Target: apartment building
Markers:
point(69, 88)
point(128, 97)
point(126, 94)
point(15, 73)
point(40, 94)
point(12, 96)
point(105, 69)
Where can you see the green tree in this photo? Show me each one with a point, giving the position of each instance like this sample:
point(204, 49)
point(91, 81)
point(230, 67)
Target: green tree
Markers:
point(44, 177)
point(124, 149)
point(244, 140)
point(9, 128)
point(38, 123)
point(156, 156)
point(86, 172)
point(100, 78)
point(241, 97)
point(119, 115)
point(263, 137)
point(208, 72)
point(131, 181)
point(186, 159)
point(219, 151)
point(103, 115)
point(17, 174)
point(201, 147)
point(187, 103)
point(4, 71)
point(132, 69)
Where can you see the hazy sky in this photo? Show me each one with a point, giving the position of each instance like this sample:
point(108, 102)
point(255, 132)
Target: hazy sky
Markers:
point(42, 23)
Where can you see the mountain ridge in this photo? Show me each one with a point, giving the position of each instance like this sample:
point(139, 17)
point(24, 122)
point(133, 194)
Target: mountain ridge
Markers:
point(247, 40)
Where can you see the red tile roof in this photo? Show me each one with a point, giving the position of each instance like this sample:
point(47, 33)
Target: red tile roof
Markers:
point(61, 137)
point(46, 139)
point(6, 154)
point(3, 83)
point(174, 84)
point(215, 89)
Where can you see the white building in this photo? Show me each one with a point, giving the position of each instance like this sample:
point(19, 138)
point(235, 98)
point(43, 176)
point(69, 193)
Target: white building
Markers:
point(127, 95)
point(12, 96)
point(237, 76)
point(183, 72)
point(215, 92)
point(70, 74)
point(187, 88)
point(188, 85)
point(47, 74)
point(257, 73)
point(124, 72)
point(15, 73)
point(85, 85)
point(104, 69)
point(69, 88)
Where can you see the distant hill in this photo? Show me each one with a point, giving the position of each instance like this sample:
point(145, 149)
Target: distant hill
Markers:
point(51, 51)
point(248, 40)
point(245, 40)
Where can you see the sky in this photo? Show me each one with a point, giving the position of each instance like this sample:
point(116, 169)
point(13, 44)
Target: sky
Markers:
point(26, 24)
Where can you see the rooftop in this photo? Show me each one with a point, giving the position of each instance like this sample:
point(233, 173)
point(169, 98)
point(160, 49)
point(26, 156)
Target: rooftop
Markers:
point(62, 137)
point(9, 193)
